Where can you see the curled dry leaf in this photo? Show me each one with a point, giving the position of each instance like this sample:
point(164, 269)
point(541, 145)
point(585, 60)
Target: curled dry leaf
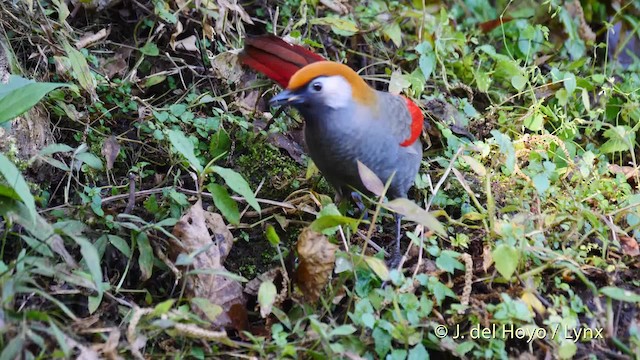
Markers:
point(629, 245)
point(193, 230)
point(317, 256)
point(110, 150)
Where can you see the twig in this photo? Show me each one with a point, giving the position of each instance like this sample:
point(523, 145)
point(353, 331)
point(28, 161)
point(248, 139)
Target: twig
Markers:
point(132, 194)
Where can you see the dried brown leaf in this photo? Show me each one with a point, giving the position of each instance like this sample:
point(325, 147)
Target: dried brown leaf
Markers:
point(91, 38)
point(629, 246)
point(317, 256)
point(110, 150)
point(193, 230)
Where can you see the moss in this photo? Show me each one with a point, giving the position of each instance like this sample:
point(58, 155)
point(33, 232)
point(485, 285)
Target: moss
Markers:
point(262, 161)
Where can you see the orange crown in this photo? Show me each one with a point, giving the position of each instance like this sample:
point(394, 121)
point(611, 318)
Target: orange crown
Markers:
point(361, 91)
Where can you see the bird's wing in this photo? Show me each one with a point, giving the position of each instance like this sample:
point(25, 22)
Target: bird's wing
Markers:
point(404, 116)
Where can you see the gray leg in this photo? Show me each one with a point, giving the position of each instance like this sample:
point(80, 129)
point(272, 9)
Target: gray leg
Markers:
point(358, 200)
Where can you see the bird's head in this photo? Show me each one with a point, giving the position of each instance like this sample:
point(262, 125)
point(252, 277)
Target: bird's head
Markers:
point(325, 84)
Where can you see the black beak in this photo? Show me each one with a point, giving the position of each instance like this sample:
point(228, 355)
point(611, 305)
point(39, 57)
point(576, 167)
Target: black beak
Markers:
point(286, 97)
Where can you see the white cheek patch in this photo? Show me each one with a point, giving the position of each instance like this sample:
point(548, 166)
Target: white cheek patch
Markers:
point(336, 91)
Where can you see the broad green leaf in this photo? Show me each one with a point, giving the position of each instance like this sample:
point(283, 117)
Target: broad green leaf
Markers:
point(223, 202)
point(518, 82)
point(145, 260)
point(448, 263)
point(620, 139)
point(55, 148)
point(326, 222)
point(238, 184)
point(93, 302)
point(163, 307)
point(91, 160)
point(120, 244)
point(150, 49)
point(427, 60)
point(210, 310)
point(541, 182)
point(419, 352)
point(20, 95)
point(567, 349)
point(620, 294)
point(534, 122)
point(16, 182)
point(569, 83)
point(91, 258)
point(411, 211)
point(266, 297)
point(185, 147)
point(506, 258)
point(37, 245)
point(393, 32)
point(340, 26)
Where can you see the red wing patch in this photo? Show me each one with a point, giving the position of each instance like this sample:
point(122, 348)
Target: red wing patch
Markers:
point(417, 120)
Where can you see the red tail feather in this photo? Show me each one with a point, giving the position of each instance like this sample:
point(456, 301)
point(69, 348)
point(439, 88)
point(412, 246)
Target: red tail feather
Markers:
point(276, 58)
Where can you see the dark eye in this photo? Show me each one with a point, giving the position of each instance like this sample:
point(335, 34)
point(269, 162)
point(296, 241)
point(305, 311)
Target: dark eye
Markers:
point(317, 86)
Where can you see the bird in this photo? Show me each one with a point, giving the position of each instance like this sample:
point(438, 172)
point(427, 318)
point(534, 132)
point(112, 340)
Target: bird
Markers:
point(346, 120)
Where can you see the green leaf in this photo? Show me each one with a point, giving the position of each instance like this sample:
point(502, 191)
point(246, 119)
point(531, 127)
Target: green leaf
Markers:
point(223, 202)
point(266, 297)
point(91, 258)
point(378, 266)
point(55, 148)
point(91, 160)
point(185, 147)
point(448, 263)
point(326, 222)
point(150, 49)
point(145, 260)
point(219, 144)
point(343, 330)
point(518, 82)
point(80, 69)
point(534, 122)
point(620, 294)
point(427, 60)
point(163, 307)
point(506, 258)
point(411, 211)
point(569, 83)
point(620, 139)
point(483, 80)
point(16, 182)
point(120, 244)
point(340, 26)
point(238, 184)
point(419, 352)
point(393, 32)
point(20, 95)
point(272, 235)
point(210, 310)
point(541, 183)
point(567, 349)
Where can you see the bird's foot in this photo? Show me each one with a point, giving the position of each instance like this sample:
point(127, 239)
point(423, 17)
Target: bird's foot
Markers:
point(358, 200)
